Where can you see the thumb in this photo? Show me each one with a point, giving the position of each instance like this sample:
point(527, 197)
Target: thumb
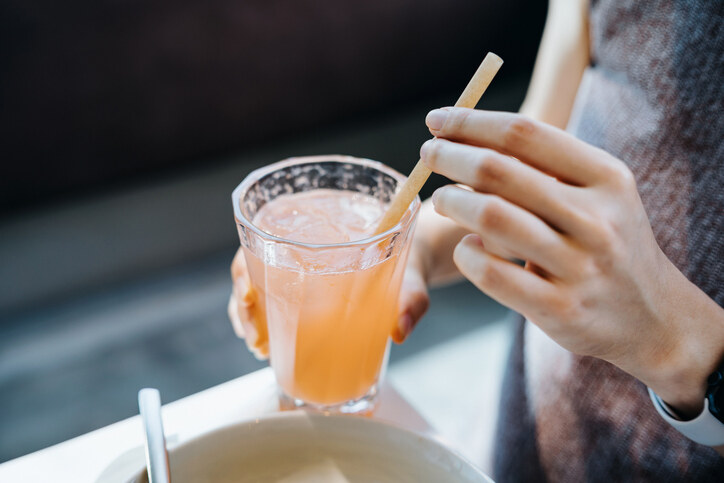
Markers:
point(242, 309)
point(242, 315)
point(414, 302)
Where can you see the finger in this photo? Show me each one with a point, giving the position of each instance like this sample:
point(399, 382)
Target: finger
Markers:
point(246, 327)
point(508, 283)
point(233, 312)
point(254, 333)
point(238, 265)
point(504, 224)
point(241, 310)
point(488, 171)
point(414, 302)
point(244, 303)
point(242, 321)
point(541, 145)
point(240, 277)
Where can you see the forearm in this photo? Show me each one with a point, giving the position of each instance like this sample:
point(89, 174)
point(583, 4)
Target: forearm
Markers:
point(562, 57)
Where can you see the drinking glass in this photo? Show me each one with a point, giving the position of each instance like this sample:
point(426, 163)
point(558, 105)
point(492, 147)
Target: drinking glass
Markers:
point(329, 308)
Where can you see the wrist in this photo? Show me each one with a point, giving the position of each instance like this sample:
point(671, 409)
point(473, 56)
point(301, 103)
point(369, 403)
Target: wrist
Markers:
point(683, 388)
point(695, 328)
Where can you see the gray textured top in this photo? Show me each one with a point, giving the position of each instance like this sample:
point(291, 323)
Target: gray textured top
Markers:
point(653, 96)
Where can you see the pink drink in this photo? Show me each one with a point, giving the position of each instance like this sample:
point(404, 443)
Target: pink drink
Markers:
point(323, 290)
point(329, 317)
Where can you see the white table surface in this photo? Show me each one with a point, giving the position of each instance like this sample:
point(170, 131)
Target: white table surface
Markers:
point(115, 452)
point(453, 388)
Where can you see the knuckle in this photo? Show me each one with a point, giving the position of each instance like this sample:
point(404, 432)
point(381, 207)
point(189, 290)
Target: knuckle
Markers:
point(604, 263)
point(579, 216)
point(490, 169)
point(588, 268)
point(491, 216)
point(518, 131)
point(602, 236)
point(608, 247)
point(489, 275)
point(565, 310)
point(458, 121)
point(621, 175)
point(606, 237)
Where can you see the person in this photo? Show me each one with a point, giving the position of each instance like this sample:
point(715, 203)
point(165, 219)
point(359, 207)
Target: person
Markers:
point(608, 184)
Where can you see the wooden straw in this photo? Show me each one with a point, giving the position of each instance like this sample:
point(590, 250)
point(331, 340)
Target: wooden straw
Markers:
point(469, 98)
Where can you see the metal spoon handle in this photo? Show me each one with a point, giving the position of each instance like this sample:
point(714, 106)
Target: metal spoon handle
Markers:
point(149, 402)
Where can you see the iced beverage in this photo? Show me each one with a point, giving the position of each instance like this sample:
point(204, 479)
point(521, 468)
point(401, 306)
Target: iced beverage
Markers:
point(323, 287)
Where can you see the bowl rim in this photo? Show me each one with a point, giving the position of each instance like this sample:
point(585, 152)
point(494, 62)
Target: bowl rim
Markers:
point(299, 414)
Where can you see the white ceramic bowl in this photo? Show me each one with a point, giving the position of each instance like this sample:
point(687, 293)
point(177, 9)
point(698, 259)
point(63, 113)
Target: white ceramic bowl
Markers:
point(302, 447)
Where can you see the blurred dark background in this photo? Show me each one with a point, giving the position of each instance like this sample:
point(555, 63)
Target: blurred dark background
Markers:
point(124, 127)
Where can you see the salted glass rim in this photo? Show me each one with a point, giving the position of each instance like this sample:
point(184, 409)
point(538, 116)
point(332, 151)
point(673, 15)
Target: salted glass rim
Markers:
point(260, 172)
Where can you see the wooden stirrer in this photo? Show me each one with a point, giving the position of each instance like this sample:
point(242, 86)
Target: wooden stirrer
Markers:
point(469, 98)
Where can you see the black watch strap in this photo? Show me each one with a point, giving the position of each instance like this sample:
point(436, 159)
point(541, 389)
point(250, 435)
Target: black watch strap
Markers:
point(706, 428)
point(715, 393)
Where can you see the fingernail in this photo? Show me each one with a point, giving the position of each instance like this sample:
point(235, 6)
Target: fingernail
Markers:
point(426, 148)
point(435, 119)
point(473, 240)
point(404, 326)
